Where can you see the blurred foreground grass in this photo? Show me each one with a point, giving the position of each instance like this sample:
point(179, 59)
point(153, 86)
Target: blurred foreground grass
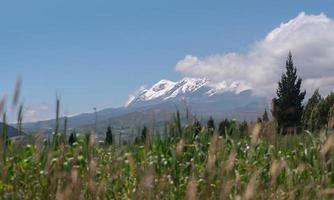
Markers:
point(184, 165)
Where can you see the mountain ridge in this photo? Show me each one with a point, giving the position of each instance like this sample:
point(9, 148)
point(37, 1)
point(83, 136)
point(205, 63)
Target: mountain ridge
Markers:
point(165, 90)
point(158, 102)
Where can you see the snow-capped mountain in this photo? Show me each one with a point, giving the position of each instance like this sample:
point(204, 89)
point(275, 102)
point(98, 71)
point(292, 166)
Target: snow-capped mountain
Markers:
point(166, 90)
point(157, 104)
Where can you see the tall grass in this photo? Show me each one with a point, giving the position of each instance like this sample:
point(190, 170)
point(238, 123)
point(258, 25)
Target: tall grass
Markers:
point(181, 166)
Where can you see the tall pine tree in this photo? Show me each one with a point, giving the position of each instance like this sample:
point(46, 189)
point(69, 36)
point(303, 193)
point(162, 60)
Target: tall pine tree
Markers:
point(287, 107)
point(265, 117)
point(73, 138)
point(197, 127)
point(211, 125)
point(144, 134)
point(108, 136)
point(223, 127)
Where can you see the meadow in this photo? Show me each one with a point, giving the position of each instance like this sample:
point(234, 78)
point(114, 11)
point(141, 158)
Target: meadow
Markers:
point(186, 164)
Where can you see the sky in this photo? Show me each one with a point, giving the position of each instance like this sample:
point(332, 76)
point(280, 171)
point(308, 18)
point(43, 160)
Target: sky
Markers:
point(96, 53)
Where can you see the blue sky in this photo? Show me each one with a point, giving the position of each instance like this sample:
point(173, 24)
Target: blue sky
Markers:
point(95, 53)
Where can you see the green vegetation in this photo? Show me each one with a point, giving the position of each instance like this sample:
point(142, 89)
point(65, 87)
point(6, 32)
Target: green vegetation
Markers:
point(255, 165)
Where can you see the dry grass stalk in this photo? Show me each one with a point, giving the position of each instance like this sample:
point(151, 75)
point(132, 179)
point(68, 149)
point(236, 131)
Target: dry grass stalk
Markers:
point(179, 147)
point(2, 103)
point(132, 163)
point(74, 176)
point(230, 161)
point(327, 146)
point(237, 179)
point(146, 184)
point(325, 192)
point(238, 197)
point(17, 91)
point(331, 122)
point(215, 146)
point(226, 189)
point(148, 138)
point(191, 192)
point(275, 169)
point(251, 188)
point(92, 167)
point(92, 140)
point(256, 133)
point(148, 178)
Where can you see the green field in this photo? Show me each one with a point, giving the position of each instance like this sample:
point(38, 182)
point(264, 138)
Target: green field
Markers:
point(255, 164)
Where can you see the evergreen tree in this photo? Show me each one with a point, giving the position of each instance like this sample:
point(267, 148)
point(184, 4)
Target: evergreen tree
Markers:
point(243, 127)
point(321, 113)
point(108, 140)
point(211, 125)
point(197, 127)
point(259, 120)
point(144, 134)
point(72, 139)
point(265, 117)
point(329, 105)
point(223, 127)
point(311, 104)
point(331, 117)
point(287, 107)
point(317, 118)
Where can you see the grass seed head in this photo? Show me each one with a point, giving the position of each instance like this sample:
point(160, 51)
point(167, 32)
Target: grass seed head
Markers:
point(191, 192)
point(327, 146)
point(179, 147)
point(2, 104)
point(256, 133)
point(17, 91)
point(251, 188)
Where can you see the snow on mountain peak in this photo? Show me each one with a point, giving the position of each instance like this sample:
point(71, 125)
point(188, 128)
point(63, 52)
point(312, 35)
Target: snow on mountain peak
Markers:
point(166, 89)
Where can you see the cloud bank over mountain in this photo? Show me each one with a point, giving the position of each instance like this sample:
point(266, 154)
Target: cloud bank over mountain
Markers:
point(310, 39)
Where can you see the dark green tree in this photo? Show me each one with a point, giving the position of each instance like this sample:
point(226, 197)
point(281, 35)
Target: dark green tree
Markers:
point(87, 137)
point(331, 117)
point(223, 127)
point(265, 117)
point(287, 107)
point(109, 138)
point(243, 127)
point(259, 120)
point(211, 125)
point(197, 127)
point(321, 113)
point(73, 138)
point(144, 134)
point(329, 106)
point(311, 104)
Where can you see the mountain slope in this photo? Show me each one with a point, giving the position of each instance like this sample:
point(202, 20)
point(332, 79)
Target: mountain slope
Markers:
point(11, 131)
point(157, 104)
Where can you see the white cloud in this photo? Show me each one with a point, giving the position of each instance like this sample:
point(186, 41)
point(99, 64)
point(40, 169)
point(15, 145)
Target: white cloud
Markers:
point(37, 112)
point(309, 37)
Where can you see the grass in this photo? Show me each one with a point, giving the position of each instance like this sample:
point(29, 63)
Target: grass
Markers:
point(255, 165)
